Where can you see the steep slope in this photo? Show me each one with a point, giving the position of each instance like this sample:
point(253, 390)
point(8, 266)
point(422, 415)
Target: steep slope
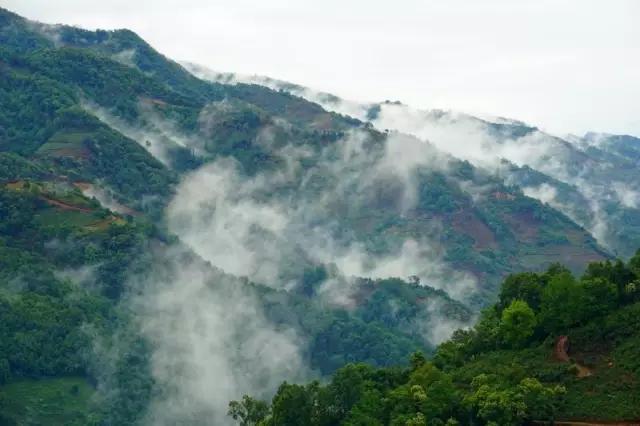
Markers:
point(423, 212)
point(136, 198)
point(326, 189)
point(77, 280)
point(593, 180)
point(82, 287)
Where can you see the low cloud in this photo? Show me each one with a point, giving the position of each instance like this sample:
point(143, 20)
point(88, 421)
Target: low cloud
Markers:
point(210, 341)
point(627, 196)
point(267, 227)
point(545, 193)
point(158, 136)
point(435, 325)
point(487, 142)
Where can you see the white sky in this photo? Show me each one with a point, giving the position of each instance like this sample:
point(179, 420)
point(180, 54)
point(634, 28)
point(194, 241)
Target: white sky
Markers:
point(564, 65)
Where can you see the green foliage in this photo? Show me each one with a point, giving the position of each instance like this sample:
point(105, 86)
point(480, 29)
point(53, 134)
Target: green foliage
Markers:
point(600, 297)
point(248, 412)
point(60, 401)
point(526, 286)
point(617, 273)
point(561, 305)
point(634, 264)
point(494, 405)
point(5, 371)
point(542, 402)
point(440, 396)
point(356, 395)
point(293, 405)
point(529, 400)
point(502, 371)
point(14, 167)
point(518, 323)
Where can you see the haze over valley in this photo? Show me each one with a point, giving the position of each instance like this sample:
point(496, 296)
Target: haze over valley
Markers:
point(184, 245)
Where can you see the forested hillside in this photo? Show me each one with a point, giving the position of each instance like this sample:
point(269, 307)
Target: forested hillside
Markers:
point(554, 347)
point(592, 179)
point(63, 78)
point(168, 244)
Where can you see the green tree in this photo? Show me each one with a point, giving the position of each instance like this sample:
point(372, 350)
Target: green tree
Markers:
point(600, 297)
point(561, 305)
point(347, 387)
point(368, 411)
point(451, 353)
point(407, 402)
point(486, 333)
point(294, 405)
point(615, 272)
point(417, 360)
point(441, 396)
point(418, 419)
point(248, 411)
point(542, 402)
point(518, 323)
point(494, 405)
point(525, 286)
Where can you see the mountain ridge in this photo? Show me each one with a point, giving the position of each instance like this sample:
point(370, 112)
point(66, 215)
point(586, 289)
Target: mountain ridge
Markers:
point(286, 240)
point(183, 112)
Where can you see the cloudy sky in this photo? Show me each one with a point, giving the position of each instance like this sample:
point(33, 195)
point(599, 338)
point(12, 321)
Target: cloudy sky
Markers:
point(564, 65)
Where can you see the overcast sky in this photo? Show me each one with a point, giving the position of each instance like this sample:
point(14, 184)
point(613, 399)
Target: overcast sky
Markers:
point(566, 66)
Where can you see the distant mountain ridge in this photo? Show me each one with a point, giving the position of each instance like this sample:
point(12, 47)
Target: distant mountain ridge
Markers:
point(593, 179)
point(488, 227)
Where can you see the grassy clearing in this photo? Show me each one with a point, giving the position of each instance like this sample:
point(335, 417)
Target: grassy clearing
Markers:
point(65, 144)
point(53, 217)
point(59, 401)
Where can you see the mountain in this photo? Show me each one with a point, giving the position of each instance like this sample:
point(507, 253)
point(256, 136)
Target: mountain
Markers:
point(591, 179)
point(457, 216)
point(166, 238)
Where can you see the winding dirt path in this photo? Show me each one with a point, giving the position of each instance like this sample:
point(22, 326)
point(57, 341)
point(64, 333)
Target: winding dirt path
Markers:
point(560, 352)
point(65, 206)
point(560, 349)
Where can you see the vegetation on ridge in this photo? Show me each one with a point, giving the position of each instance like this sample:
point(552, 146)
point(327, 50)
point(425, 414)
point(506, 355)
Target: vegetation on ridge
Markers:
point(509, 369)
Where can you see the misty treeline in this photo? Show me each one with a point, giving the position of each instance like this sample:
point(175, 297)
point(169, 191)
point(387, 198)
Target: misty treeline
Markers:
point(592, 179)
point(499, 372)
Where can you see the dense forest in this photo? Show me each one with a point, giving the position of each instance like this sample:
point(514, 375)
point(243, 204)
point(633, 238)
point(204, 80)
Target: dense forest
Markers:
point(553, 347)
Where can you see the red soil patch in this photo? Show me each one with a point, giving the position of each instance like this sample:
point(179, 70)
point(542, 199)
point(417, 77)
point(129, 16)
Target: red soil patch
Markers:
point(560, 352)
point(560, 349)
point(120, 208)
point(503, 196)
point(82, 186)
point(523, 225)
point(16, 185)
point(469, 224)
